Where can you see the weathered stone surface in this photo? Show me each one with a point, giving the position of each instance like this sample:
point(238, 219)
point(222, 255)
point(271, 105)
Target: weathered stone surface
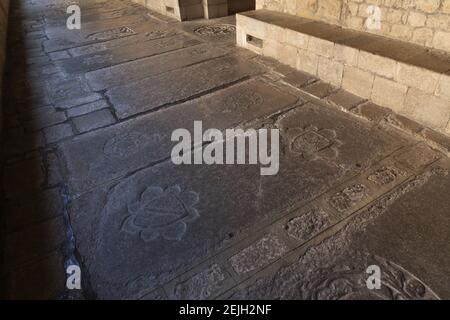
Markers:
point(87, 108)
point(59, 55)
point(142, 68)
point(307, 225)
point(343, 99)
point(371, 111)
point(202, 285)
point(335, 268)
point(139, 142)
point(147, 229)
point(418, 158)
point(94, 120)
point(152, 34)
point(157, 91)
point(111, 57)
point(320, 89)
point(358, 82)
point(104, 218)
point(423, 234)
point(258, 255)
point(298, 79)
point(95, 31)
point(69, 92)
point(349, 197)
point(385, 175)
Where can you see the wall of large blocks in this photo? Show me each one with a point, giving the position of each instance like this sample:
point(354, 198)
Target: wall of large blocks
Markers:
point(178, 9)
point(424, 22)
point(196, 9)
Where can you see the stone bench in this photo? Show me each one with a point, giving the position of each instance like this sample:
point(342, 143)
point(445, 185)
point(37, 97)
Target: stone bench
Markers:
point(409, 79)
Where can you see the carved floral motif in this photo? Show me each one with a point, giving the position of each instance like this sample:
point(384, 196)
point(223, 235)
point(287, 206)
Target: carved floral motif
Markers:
point(161, 213)
point(215, 30)
point(349, 197)
point(110, 34)
point(385, 175)
point(313, 143)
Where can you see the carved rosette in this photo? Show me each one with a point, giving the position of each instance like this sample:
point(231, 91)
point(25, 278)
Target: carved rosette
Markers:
point(115, 33)
point(161, 213)
point(313, 143)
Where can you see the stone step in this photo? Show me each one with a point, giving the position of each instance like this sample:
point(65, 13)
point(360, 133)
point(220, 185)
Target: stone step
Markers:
point(409, 79)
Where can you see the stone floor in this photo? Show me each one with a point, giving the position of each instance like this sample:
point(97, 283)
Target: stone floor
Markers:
point(88, 117)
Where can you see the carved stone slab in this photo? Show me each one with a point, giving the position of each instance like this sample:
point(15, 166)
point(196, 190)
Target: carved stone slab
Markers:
point(114, 56)
point(137, 143)
point(178, 85)
point(161, 220)
point(151, 66)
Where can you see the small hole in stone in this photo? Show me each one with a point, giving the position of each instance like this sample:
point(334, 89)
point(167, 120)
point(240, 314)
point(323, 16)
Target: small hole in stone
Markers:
point(254, 41)
point(358, 165)
point(231, 235)
point(170, 10)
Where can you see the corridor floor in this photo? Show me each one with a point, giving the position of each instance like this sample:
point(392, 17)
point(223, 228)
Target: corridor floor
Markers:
point(88, 179)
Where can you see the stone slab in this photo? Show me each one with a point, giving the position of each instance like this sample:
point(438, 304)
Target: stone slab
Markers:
point(179, 85)
point(153, 34)
point(146, 67)
point(106, 58)
point(136, 143)
point(212, 202)
point(392, 233)
point(67, 92)
point(94, 120)
point(95, 31)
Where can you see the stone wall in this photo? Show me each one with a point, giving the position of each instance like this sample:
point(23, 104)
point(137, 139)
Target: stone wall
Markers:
point(4, 8)
point(178, 9)
point(425, 22)
point(195, 9)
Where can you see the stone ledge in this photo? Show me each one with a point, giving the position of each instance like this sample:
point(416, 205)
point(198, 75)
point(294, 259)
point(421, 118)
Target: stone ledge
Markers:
point(409, 79)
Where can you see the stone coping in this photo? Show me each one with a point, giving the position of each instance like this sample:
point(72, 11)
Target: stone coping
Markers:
point(409, 79)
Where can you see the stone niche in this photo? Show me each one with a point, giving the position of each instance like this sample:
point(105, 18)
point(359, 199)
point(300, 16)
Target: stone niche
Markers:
point(424, 22)
point(196, 9)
